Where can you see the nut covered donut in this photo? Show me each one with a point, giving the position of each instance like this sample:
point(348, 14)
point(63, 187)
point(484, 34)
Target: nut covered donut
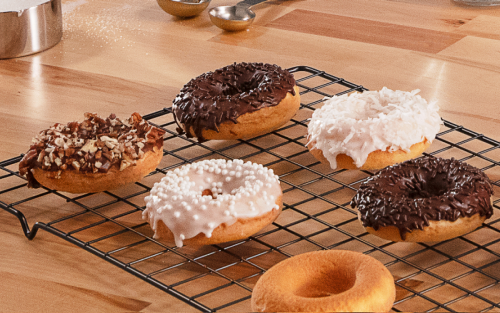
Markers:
point(428, 199)
point(325, 281)
point(373, 129)
point(213, 201)
point(94, 155)
point(236, 102)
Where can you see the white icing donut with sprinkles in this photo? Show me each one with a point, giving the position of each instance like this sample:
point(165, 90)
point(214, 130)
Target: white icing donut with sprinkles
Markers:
point(213, 201)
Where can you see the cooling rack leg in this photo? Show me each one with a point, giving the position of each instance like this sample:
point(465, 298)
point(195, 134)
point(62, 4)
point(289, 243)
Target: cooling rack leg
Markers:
point(30, 234)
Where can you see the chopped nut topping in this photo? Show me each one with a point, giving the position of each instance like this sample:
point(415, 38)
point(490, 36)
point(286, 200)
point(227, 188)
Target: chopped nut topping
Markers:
point(124, 164)
point(59, 141)
point(90, 146)
point(58, 162)
point(78, 142)
point(40, 156)
point(108, 155)
point(94, 145)
point(46, 161)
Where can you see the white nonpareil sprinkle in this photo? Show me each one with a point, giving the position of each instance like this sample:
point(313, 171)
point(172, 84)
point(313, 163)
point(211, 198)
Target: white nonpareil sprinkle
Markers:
point(360, 123)
point(178, 202)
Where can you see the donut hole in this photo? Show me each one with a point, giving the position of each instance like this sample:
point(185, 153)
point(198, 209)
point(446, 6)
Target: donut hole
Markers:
point(244, 85)
point(325, 282)
point(433, 187)
point(208, 192)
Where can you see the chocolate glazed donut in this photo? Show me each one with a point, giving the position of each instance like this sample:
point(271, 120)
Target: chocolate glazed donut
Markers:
point(218, 99)
point(444, 197)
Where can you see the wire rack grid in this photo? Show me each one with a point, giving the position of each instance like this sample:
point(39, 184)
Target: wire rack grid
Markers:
point(462, 274)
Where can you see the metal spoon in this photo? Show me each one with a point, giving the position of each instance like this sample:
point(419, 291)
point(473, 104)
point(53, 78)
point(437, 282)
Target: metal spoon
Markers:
point(236, 17)
point(183, 8)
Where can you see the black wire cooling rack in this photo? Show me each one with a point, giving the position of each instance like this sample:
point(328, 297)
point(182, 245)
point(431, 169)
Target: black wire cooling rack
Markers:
point(462, 274)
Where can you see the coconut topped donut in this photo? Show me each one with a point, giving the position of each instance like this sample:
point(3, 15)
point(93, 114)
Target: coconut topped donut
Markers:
point(197, 198)
point(94, 146)
point(221, 97)
point(358, 124)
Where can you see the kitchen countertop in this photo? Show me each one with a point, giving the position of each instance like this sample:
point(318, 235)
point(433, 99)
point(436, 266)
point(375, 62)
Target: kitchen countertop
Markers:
point(123, 56)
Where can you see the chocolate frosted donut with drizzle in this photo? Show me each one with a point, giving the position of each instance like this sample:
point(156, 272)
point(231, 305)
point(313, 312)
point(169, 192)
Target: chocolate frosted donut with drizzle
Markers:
point(416, 194)
point(216, 98)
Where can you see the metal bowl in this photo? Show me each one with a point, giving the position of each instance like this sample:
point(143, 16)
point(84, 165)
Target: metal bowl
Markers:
point(183, 8)
point(30, 30)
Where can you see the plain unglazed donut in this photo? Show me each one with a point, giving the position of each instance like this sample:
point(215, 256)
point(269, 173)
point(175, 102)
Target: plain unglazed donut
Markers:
point(428, 199)
point(238, 101)
point(325, 281)
point(213, 201)
point(373, 129)
point(94, 155)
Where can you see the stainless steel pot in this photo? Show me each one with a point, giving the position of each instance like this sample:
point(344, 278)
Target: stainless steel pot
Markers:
point(30, 30)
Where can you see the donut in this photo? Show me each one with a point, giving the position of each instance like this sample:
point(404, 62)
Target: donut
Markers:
point(428, 199)
point(325, 281)
point(94, 155)
point(373, 129)
point(213, 201)
point(238, 101)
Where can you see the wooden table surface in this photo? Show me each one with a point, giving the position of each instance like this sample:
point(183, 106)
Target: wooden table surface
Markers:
point(121, 56)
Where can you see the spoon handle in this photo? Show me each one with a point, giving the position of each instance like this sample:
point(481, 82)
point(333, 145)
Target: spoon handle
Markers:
point(249, 3)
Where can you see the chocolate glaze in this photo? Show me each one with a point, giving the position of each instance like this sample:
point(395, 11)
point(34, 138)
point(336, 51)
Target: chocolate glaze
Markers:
point(216, 97)
point(410, 194)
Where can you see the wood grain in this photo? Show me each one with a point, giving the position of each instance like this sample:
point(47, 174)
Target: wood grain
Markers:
point(69, 298)
point(372, 32)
